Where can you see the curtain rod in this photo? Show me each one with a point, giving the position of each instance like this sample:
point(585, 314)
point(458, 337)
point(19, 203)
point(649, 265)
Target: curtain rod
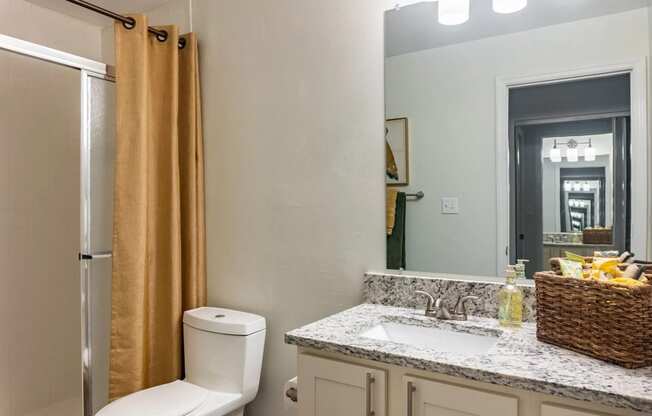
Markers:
point(127, 22)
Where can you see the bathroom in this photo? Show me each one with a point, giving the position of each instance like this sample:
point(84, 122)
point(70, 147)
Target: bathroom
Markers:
point(314, 92)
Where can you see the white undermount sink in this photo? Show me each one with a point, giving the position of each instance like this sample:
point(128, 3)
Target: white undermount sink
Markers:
point(442, 340)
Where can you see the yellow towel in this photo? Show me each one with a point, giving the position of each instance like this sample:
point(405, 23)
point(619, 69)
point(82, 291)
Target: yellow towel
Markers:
point(391, 209)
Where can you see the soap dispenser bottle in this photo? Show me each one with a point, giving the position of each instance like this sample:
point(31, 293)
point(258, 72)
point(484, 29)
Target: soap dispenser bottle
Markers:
point(520, 268)
point(510, 300)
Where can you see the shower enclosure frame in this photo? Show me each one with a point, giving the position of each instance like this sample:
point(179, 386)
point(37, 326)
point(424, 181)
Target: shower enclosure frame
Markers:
point(89, 69)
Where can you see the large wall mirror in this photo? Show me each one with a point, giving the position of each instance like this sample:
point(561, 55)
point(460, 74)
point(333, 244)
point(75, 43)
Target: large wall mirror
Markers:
point(526, 125)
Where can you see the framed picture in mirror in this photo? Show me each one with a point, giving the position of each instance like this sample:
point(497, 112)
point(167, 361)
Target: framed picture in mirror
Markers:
point(397, 150)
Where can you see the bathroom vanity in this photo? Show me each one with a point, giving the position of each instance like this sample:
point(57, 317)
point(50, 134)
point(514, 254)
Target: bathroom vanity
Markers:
point(387, 360)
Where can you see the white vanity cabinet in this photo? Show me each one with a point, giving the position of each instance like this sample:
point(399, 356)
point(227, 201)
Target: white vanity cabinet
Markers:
point(431, 398)
point(337, 385)
point(330, 388)
point(551, 410)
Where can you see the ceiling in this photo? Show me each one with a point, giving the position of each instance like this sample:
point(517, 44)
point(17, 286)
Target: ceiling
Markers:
point(415, 27)
point(118, 6)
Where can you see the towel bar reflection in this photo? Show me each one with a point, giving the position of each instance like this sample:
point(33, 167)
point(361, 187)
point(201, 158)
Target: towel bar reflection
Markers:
point(419, 195)
point(95, 256)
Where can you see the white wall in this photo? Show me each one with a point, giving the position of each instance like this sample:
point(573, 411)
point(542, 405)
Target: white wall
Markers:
point(174, 12)
point(27, 21)
point(293, 111)
point(448, 94)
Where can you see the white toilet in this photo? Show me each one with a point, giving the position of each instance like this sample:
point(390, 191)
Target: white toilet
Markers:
point(223, 356)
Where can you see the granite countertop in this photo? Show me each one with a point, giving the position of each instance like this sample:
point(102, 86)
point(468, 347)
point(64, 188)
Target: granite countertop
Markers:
point(570, 244)
point(517, 360)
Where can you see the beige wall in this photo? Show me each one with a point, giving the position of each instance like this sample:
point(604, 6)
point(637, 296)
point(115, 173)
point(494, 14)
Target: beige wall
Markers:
point(293, 108)
point(177, 12)
point(27, 21)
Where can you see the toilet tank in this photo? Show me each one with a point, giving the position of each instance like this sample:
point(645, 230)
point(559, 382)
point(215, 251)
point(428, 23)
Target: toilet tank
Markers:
point(223, 350)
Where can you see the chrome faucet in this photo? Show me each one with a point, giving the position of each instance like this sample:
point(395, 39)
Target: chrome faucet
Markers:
point(434, 308)
point(460, 313)
point(437, 309)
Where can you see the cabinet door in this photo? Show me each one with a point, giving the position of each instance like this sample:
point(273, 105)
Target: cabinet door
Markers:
point(432, 398)
point(333, 388)
point(550, 410)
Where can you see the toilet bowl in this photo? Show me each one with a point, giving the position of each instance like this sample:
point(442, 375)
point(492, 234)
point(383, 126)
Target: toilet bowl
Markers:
point(223, 356)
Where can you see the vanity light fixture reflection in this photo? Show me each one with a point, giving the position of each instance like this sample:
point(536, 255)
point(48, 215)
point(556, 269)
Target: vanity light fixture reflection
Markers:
point(572, 155)
point(456, 12)
point(508, 6)
point(453, 12)
point(589, 152)
point(555, 153)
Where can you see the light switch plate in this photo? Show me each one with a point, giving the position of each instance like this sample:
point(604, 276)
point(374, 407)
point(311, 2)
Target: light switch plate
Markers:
point(450, 205)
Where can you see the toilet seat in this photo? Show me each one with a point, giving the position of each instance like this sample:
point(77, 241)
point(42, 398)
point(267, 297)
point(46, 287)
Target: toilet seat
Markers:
point(178, 398)
point(174, 399)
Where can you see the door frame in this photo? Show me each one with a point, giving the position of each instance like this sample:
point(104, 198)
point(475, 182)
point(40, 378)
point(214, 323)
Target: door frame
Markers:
point(637, 70)
point(45, 53)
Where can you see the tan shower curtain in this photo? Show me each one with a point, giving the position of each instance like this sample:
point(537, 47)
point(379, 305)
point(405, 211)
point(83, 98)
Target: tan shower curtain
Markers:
point(158, 230)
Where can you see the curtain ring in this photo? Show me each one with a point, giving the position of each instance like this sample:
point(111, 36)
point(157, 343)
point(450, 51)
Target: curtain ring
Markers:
point(130, 24)
point(162, 37)
point(182, 43)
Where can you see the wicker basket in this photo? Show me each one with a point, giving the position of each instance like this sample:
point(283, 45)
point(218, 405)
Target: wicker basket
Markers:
point(609, 322)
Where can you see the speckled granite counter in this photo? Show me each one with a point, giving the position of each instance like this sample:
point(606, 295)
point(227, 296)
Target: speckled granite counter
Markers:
point(397, 289)
point(518, 360)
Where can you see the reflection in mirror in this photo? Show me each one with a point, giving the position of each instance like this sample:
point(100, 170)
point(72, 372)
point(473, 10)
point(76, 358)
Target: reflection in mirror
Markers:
point(526, 134)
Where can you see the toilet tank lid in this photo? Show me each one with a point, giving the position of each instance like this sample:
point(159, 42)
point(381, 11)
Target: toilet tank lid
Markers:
point(224, 321)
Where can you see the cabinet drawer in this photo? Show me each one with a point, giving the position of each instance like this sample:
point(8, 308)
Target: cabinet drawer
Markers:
point(432, 398)
point(329, 388)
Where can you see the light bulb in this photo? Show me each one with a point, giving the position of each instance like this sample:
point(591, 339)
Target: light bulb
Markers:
point(589, 154)
point(453, 12)
point(586, 187)
point(568, 187)
point(555, 155)
point(509, 6)
point(572, 155)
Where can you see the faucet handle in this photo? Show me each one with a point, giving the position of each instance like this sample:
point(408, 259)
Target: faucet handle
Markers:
point(460, 306)
point(430, 302)
point(441, 312)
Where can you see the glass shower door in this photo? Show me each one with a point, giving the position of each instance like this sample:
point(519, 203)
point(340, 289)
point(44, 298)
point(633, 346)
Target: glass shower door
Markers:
point(98, 141)
point(40, 366)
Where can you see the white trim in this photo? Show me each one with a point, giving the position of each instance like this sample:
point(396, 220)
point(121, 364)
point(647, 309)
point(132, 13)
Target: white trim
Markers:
point(34, 50)
point(639, 156)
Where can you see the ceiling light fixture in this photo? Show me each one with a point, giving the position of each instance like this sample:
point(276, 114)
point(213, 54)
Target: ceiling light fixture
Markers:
point(453, 12)
point(509, 6)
